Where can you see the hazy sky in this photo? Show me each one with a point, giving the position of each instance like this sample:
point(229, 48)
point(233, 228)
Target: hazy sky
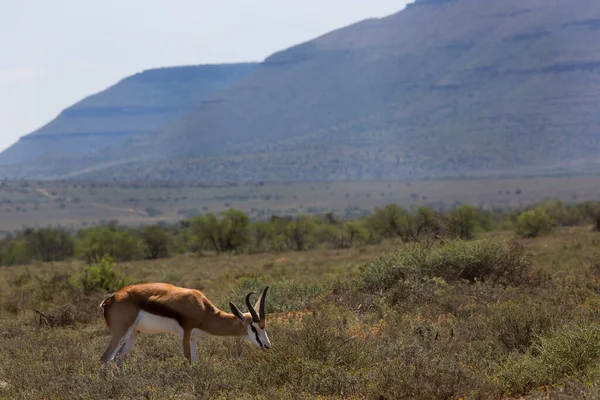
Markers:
point(54, 53)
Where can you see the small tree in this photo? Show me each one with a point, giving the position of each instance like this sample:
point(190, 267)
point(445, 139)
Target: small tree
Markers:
point(592, 211)
point(299, 232)
point(15, 252)
point(393, 221)
point(205, 230)
point(49, 244)
point(462, 222)
point(534, 223)
point(157, 241)
point(259, 231)
point(227, 233)
point(328, 234)
point(556, 211)
point(354, 233)
point(426, 221)
point(102, 276)
point(119, 244)
point(236, 230)
point(182, 238)
point(276, 233)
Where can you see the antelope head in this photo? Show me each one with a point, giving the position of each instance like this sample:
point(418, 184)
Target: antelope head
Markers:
point(256, 322)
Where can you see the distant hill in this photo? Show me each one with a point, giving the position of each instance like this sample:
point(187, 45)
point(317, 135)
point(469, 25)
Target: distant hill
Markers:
point(443, 88)
point(142, 103)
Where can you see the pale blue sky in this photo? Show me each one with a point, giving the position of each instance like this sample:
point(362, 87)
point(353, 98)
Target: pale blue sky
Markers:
point(54, 53)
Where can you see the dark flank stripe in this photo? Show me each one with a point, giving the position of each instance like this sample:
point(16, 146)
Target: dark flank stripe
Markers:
point(162, 311)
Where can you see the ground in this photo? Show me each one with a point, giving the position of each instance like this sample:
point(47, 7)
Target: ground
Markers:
point(331, 339)
point(76, 204)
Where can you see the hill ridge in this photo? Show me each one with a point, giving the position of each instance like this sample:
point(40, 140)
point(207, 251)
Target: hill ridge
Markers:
point(441, 89)
point(140, 103)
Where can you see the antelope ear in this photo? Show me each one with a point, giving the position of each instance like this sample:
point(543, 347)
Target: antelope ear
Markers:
point(237, 312)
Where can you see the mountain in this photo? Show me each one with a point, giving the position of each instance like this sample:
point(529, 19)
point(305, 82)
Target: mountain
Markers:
point(443, 88)
point(142, 103)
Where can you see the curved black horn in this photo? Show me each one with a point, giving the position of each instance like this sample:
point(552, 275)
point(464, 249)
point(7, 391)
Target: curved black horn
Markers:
point(260, 304)
point(255, 317)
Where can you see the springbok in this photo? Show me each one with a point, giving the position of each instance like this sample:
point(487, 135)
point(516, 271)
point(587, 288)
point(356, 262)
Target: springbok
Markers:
point(164, 308)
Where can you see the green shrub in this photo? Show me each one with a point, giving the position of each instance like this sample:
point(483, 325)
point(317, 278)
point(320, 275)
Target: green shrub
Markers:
point(101, 277)
point(49, 244)
point(455, 260)
point(569, 352)
point(300, 232)
point(517, 324)
point(566, 214)
point(45, 244)
point(327, 236)
point(119, 244)
point(462, 222)
point(157, 241)
point(534, 223)
point(427, 221)
point(182, 238)
point(479, 260)
point(592, 211)
point(393, 221)
point(259, 232)
point(230, 232)
point(269, 236)
point(48, 287)
point(354, 233)
point(400, 265)
point(282, 296)
point(15, 252)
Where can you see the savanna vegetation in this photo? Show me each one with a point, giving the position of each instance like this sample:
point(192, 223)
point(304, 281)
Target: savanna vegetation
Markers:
point(415, 304)
point(233, 232)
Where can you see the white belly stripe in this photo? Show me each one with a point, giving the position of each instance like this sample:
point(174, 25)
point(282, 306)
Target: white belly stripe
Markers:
point(152, 323)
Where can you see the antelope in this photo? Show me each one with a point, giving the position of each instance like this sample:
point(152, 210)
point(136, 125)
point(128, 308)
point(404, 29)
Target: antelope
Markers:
point(164, 308)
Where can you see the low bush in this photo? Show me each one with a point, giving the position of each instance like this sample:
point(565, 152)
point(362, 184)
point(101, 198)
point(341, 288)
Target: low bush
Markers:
point(49, 244)
point(228, 232)
point(354, 233)
point(570, 352)
point(454, 260)
point(282, 296)
point(462, 222)
point(479, 260)
point(103, 277)
point(119, 244)
point(534, 223)
point(15, 252)
point(158, 242)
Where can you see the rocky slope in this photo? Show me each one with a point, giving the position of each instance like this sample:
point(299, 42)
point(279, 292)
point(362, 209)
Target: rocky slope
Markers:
point(442, 88)
point(142, 103)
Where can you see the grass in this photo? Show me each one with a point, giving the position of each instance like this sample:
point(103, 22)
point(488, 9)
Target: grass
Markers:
point(343, 324)
point(75, 204)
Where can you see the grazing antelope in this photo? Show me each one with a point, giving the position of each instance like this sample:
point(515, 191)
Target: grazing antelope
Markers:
point(161, 307)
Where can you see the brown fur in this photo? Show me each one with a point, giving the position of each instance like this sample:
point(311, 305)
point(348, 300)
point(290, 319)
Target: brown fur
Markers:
point(189, 307)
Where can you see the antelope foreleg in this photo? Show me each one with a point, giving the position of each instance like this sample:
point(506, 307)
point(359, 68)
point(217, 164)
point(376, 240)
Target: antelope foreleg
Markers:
point(194, 349)
point(186, 343)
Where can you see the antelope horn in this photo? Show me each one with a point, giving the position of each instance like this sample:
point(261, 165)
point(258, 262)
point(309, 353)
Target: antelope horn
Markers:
point(260, 304)
point(250, 308)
